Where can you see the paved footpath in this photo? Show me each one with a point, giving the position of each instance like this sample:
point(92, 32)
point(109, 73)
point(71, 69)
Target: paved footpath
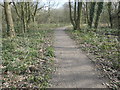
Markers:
point(74, 69)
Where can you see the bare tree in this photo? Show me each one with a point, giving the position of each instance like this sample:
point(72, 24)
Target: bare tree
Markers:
point(86, 6)
point(79, 14)
point(119, 16)
point(119, 21)
point(35, 11)
point(91, 13)
point(9, 19)
point(75, 20)
point(70, 10)
point(110, 13)
point(98, 13)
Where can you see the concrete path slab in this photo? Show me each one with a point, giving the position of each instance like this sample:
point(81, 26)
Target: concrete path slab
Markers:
point(74, 69)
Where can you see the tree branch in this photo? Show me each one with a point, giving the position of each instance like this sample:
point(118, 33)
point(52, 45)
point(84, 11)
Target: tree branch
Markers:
point(16, 9)
point(36, 7)
point(40, 8)
point(2, 5)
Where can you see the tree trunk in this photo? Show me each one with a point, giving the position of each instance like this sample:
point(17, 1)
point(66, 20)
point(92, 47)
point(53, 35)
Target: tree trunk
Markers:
point(9, 19)
point(119, 21)
point(35, 11)
point(79, 14)
point(75, 20)
point(119, 16)
point(29, 13)
point(91, 13)
point(98, 13)
point(23, 17)
point(70, 11)
point(110, 14)
point(87, 12)
point(49, 10)
point(75, 17)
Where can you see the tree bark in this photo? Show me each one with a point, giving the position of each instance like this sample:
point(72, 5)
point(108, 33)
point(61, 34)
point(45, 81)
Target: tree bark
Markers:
point(35, 11)
point(98, 13)
point(9, 19)
point(16, 9)
point(110, 14)
point(119, 16)
point(70, 11)
point(29, 13)
point(23, 17)
point(119, 21)
point(79, 14)
point(91, 14)
point(75, 20)
point(87, 12)
point(75, 17)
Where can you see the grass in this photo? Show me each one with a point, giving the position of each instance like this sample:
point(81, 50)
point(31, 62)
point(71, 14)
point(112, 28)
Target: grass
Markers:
point(104, 47)
point(27, 59)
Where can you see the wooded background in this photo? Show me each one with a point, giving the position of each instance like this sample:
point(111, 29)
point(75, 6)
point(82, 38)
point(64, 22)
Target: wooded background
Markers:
point(26, 31)
point(93, 14)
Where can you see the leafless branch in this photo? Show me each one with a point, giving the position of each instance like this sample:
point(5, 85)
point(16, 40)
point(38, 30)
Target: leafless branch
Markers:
point(16, 9)
point(2, 5)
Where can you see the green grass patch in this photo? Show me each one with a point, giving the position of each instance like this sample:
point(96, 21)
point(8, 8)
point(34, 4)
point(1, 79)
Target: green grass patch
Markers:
point(104, 47)
point(27, 59)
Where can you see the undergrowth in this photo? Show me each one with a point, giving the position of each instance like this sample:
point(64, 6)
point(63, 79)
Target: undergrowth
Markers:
point(27, 59)
point(103, 44)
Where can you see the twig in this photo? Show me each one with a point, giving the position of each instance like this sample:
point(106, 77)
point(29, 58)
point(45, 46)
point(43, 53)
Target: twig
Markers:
point(16, 9)
point(2, 5)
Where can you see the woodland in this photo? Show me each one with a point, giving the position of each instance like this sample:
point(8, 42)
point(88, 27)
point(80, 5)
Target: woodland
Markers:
point(27, 37)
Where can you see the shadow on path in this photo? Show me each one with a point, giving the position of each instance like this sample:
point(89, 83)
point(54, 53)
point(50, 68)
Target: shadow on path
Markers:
point(73, 68)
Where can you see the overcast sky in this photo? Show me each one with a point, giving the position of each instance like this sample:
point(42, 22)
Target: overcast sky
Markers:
point(61, 2)
point(39, 0)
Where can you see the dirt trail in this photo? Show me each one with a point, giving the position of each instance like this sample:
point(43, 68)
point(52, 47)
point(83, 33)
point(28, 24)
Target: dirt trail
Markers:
point(74, 69)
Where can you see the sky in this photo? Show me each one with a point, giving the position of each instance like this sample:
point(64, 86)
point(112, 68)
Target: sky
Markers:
point(60, 2)
point(63, 1)
point(39, 0)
